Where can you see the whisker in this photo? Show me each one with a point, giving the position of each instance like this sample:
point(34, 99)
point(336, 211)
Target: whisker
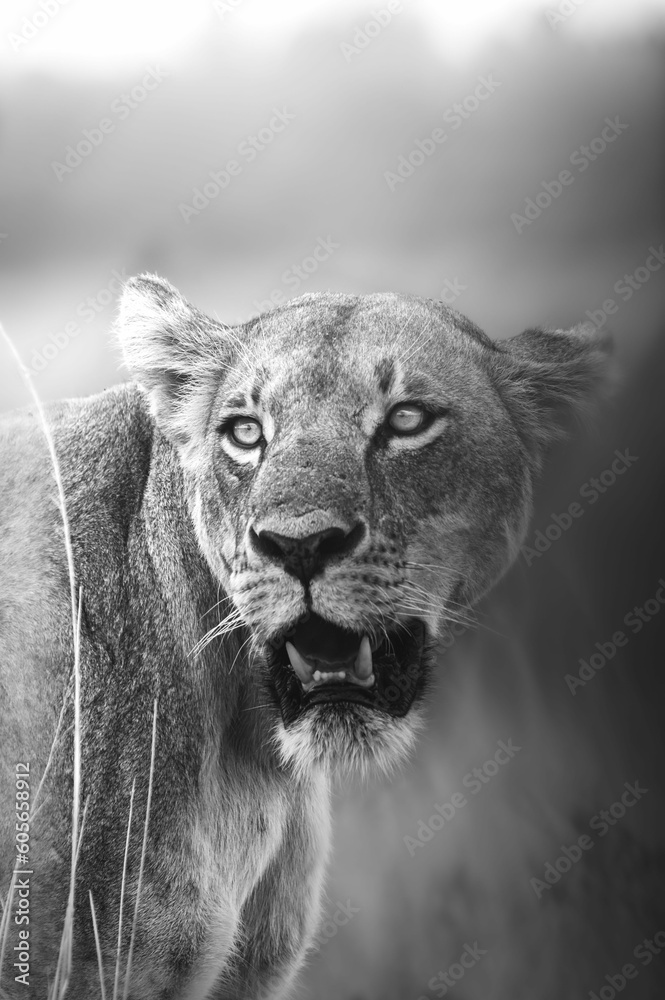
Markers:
point(242, 646)
point(233, 620)
point(417, 343)
point(222, 600)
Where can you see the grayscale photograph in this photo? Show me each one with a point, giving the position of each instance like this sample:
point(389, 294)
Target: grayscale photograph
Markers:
point(332, 493)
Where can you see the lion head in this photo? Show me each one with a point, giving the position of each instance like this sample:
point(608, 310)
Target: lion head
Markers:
point(359, 471)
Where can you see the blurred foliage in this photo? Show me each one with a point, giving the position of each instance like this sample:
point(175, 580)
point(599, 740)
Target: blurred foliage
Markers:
point(323, 176)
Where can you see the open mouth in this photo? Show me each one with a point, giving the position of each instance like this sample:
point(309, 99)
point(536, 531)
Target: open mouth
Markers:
point(319, 663)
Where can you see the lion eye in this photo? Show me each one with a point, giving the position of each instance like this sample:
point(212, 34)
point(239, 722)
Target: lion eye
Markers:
point(246, 431)
point(407, 418)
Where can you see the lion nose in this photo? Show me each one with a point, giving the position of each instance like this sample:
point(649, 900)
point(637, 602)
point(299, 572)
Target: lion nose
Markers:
point(306, 557)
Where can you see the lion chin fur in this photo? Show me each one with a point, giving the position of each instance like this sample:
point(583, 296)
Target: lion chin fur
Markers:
point(270, 526)
point(354, 743)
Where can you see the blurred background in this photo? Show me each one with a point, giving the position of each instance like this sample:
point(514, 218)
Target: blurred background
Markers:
point(250, 151)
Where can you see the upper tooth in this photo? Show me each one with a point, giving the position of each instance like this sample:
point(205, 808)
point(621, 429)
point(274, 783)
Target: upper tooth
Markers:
point(363, 664)
point(299, 664)
point(361, 674)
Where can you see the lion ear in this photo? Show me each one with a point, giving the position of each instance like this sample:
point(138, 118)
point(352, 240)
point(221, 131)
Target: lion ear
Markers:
point(552, 379)
point(169, 347)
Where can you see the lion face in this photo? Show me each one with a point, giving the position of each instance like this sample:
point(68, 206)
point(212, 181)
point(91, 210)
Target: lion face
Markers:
point(359, 471)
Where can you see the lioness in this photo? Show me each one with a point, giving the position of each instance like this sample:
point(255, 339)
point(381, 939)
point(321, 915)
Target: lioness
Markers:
point(269, 528)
